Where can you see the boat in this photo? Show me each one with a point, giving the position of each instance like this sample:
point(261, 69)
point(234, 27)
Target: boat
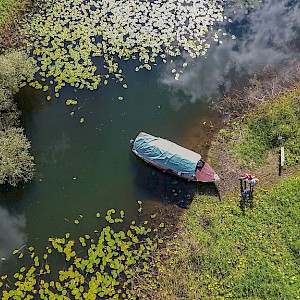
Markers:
point(172, 158)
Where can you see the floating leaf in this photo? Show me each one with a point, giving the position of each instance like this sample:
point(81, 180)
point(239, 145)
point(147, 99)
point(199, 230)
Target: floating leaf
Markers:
point(71, 102)
point(63, 48)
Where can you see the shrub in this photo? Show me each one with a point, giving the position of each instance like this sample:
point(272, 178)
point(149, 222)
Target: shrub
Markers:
point(16, 163)
point(6, 100)
point(15, 69)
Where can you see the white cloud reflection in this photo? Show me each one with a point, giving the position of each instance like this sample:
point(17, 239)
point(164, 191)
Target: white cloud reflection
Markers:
point(268, 37)
point(12, 234)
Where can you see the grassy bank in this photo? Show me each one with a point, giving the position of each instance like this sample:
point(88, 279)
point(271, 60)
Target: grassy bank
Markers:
point(250, 143)
point(251, 139)
point(222, 252)
point(11, 12)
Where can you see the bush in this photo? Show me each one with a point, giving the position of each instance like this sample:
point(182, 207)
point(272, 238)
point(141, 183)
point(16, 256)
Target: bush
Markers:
point(11, 12)
point(16, 163)
point(15, 69)
point(6, 100)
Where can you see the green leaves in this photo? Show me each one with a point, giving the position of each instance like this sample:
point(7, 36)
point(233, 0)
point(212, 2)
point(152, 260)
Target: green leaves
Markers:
point(71, 102)
point(63, 48)
point(98, 265)
point(16, 162)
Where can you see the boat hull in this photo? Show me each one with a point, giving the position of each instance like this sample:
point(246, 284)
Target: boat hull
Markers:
point(203, 174)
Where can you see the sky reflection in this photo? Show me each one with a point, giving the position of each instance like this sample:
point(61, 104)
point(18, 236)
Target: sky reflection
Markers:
point(268, 36)
point(12, 234)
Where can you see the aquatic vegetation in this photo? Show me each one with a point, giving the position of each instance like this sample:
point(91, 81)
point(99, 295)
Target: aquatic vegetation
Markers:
point(101, 265)
point(65, 36)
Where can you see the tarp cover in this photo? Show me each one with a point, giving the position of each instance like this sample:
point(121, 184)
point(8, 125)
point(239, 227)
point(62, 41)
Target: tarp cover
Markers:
point(166, 154)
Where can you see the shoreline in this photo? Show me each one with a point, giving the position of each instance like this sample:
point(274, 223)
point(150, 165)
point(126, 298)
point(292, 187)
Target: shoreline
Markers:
point(263, 88)
point(12, 16)
point(216, 229)
point(222, 161)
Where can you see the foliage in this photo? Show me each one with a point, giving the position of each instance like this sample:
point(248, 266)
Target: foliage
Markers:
point(258, 132)
point(15, 69)
point(16, 164)
point(6, 100)
point(106, 264)
point(64, 36)
point(225, 254)
point(11, 11)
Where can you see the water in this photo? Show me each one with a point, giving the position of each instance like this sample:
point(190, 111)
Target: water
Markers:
point(89, 167)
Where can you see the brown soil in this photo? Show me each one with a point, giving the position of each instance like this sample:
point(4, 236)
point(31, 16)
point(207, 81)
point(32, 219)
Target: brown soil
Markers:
point(262, 87)
point(230, 172)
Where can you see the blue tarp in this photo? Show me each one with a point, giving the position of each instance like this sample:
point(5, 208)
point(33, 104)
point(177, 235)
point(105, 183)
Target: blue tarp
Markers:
point(166, 154)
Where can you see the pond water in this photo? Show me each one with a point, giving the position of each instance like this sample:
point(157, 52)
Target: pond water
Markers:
point(84, 168)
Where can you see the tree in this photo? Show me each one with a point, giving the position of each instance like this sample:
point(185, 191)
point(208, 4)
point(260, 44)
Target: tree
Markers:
point(15, 69)
point(16, 163)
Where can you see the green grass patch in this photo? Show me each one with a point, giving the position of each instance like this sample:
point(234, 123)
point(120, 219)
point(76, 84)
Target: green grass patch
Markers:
point(223, 253)
point(10, 12)
point(6, 9)
point(256, 136)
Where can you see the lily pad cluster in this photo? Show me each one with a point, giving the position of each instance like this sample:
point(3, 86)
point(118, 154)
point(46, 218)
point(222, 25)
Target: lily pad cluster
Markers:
point(65, 35)
point(101, 265)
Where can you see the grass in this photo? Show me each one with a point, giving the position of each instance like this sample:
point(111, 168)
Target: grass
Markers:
point(253, 137)
point(224, 253)
point(11, 11)
point(8, 8)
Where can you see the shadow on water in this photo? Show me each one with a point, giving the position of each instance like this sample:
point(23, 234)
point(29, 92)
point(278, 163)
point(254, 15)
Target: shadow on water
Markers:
point(29, 102)
point(9, 195)
point(167, 188)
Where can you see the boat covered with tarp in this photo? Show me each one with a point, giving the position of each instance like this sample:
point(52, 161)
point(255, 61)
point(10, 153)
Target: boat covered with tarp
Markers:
point(173, 158)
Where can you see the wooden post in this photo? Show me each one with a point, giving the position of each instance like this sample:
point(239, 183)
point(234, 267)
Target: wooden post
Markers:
point(241, 184)
point(281, 160)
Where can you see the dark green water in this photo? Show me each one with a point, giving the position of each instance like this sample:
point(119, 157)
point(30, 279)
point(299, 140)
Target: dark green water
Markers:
point(89, 167)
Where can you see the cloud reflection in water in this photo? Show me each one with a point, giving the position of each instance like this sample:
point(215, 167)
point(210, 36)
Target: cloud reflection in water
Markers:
point(12, 234)
point(269, 36)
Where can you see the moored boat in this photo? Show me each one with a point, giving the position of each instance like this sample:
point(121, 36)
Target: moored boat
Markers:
point(172, 158)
